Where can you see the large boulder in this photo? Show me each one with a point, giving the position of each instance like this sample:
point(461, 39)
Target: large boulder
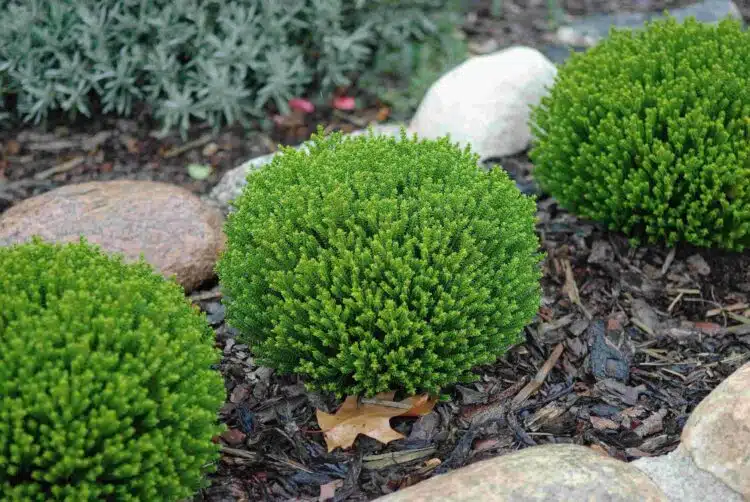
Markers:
point(172, 228)
point(717, 434)
point(546, 473)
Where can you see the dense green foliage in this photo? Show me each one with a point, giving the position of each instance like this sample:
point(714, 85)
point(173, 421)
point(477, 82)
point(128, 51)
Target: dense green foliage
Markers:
point(214, 60)
point(106, 385)
point(648, 133)
point(374, 263)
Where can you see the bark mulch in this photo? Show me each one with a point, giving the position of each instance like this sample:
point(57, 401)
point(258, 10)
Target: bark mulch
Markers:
point(626, 344)
point(627, 341)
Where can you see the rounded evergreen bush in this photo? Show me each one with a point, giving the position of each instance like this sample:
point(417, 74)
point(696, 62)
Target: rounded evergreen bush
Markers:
point(647, 133)
point(373, 263)
point(106, 385)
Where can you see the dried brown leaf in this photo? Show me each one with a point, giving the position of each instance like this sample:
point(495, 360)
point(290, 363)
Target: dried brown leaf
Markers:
point(354, 418)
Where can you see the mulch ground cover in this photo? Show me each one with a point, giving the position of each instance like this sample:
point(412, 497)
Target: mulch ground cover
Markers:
point(625, 345)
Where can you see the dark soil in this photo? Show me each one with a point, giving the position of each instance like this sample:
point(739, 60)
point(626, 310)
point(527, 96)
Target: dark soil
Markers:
point(633, 338)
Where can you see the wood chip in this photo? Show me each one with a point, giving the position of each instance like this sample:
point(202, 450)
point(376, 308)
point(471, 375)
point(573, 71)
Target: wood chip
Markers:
point(328, 490)
point(667, 262)
point(395, 458)
point(240, 453)
point(652, 424)
point(545, 415)
point(53, 146)
point(729, 308)
point(539, 378)
point(644, 316)
point(602, 424)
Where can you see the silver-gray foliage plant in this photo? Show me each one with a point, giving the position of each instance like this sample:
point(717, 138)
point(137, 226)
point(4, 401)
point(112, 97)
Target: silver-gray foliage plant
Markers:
point(208, 60)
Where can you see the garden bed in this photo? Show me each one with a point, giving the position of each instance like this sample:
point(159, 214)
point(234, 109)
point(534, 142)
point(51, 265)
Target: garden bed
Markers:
point(627, 342)
point(671, 337)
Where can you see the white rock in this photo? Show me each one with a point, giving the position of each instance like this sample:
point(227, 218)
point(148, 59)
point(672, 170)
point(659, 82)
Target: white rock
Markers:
point(485, 101)
point(717, 434)
point(683, 481)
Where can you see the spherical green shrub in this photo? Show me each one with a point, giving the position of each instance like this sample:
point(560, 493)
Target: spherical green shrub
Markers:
point(374, 263)
point(106, 386)
point(647, 133)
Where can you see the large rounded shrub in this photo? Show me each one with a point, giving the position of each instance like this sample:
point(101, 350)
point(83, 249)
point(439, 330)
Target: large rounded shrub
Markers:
point(106, 386)
point(373, 263)
point(648, 133)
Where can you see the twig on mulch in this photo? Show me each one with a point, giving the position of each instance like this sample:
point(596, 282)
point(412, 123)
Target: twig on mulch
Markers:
point(239, 453)
point(571, 288)
point(196, 143)
point(60, 168)
point(539, 378)
point(388, 404)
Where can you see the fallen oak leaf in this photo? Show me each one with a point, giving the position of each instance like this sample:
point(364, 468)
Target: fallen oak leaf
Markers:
point(421, 405)
point(371, 419)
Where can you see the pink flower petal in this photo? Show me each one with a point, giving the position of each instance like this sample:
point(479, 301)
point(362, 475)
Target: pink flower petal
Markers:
point(301, 105)
point(344, 103)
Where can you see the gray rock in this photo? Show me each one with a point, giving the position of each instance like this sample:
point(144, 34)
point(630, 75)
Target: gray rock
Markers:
point(176, 233)
point(548, 473)
point(589, 30)
point(683, 481)
point(231, 184)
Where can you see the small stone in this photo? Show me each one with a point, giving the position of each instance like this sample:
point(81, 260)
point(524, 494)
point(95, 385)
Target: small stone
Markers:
point(230, 186)
point(717, 434)
point(559, 472)
point(210, 149)
point(682, 481)
point(177, 234)
point(698, 265)
point(485, 101)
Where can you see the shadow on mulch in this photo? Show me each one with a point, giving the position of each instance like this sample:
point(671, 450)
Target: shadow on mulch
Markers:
point(625, 345)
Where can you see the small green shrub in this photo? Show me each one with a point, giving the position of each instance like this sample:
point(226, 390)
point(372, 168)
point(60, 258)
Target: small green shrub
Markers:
point(648, 133)
point(106, 386)
point(375, 263)
point(219, 61)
